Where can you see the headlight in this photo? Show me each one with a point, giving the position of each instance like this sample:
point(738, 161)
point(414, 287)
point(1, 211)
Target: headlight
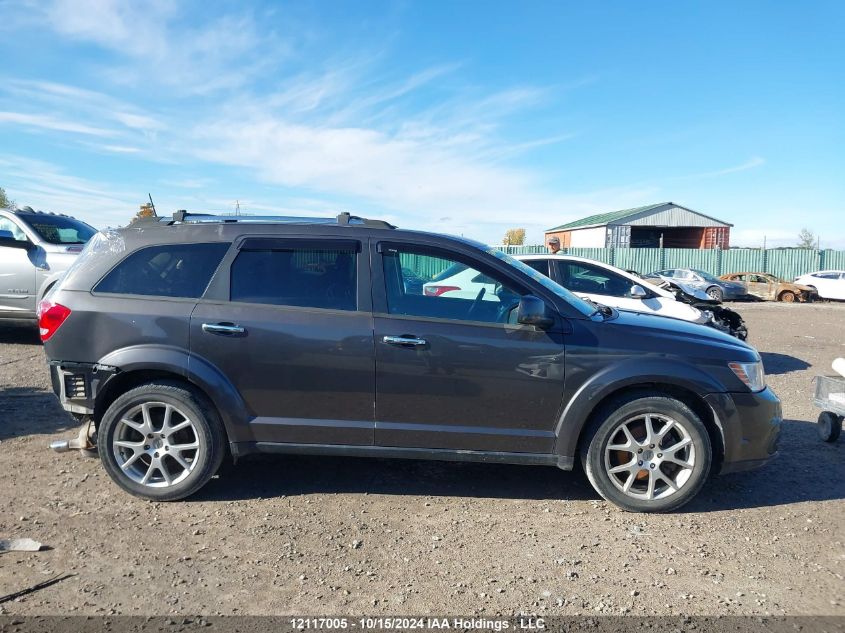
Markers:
point(751, 374)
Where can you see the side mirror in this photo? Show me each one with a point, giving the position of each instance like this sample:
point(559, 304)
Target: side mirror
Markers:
point(532, 311)
point(638, 292)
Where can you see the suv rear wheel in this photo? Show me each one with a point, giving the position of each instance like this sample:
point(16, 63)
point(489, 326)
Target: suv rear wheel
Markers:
point(161, 441)
point(647, 454)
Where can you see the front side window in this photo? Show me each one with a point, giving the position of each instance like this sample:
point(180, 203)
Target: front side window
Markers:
point(589, 279)
point(171, 270)
point(452, 289)
point(57, 229)
point(7, 225)
point(303, 277)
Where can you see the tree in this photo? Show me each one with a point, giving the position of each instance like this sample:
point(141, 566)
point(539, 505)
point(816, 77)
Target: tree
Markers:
point(807, 239)
point(514, 237)
point(146, 211)
point(5, 203)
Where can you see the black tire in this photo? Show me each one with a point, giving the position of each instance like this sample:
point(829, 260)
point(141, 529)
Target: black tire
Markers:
point(715, 293)
point(206, 430)
point(607, 425)
point(829, 426)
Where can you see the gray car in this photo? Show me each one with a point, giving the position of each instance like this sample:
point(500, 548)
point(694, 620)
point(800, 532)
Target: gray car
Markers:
point(187, 340)
point(36, 248)
point(716, 288)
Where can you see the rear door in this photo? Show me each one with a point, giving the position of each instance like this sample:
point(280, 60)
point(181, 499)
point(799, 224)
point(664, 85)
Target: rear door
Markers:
point(289, 322)
point(455, 372)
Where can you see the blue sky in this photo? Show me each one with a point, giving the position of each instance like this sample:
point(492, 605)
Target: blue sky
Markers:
point(463, 117)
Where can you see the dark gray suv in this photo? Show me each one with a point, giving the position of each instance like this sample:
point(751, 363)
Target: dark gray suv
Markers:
point(185, 339)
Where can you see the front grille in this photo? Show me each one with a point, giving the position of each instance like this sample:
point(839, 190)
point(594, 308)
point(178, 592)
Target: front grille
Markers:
point(76, 386)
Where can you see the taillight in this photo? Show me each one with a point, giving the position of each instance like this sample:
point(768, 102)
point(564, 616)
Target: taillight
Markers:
point(436, 291)
point(50, 317)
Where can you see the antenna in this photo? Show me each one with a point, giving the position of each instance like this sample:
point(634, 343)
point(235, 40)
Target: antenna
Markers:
point(150, 196)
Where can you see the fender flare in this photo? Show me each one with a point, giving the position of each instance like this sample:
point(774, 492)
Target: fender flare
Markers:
point(198, 371)
point(618, 376)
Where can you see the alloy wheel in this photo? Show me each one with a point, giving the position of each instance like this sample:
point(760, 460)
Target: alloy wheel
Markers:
point(650, 456)
point(156, 444)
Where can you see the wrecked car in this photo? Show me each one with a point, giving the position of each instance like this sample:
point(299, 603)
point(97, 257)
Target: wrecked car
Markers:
point(772, 288)
point(720, 317)
point(718, 289)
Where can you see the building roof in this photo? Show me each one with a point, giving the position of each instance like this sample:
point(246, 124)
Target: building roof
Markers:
point(625, 216)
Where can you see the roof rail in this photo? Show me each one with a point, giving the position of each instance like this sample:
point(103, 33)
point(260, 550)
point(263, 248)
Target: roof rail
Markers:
point(343, 219)
point(346, 218)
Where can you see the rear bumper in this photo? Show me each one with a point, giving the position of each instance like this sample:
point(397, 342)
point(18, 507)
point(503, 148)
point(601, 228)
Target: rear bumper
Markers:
point(751, 424)
point(76, 385)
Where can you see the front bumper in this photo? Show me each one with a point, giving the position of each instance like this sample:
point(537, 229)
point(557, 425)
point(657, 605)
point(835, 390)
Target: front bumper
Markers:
point(751, 424)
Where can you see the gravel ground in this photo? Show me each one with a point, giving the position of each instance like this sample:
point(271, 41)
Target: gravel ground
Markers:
point(313, 535)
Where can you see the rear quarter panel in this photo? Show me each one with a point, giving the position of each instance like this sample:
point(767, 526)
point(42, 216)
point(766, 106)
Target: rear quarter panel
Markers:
point(99, 325)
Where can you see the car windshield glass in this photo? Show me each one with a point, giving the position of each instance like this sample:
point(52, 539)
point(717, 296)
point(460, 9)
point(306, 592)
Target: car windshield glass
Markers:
point(57, 229)
point(579, 304)
point(704, 275)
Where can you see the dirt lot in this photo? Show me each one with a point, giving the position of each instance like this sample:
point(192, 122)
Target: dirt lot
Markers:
point(313, 535)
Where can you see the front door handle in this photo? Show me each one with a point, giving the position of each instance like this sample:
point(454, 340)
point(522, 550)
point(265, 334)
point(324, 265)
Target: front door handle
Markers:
point(404, 341)
point(223, 328)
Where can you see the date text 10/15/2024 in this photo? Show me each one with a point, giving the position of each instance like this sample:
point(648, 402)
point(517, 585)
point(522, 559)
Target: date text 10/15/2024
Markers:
point(523, 623)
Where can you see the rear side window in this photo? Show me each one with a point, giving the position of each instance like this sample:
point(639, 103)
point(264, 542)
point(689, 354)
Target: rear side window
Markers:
point(172, 270)
point(304, 277)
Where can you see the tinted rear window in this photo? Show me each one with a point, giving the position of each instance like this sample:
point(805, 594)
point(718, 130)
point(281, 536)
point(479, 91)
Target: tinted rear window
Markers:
point(306, 277)
point(172, 270)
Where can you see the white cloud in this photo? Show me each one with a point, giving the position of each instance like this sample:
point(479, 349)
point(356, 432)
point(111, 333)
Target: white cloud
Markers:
point(350, 132)
point(751, 163)
point(43, 185)
point(48, 122)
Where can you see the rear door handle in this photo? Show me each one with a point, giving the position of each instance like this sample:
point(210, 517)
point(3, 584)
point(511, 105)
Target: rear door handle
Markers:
point(223, 328)
point(404, 341)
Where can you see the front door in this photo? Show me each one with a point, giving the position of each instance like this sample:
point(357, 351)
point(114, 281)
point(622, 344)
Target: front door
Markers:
point(458, 373)
point(295, 337)
point(17, 273)
point(760, 286)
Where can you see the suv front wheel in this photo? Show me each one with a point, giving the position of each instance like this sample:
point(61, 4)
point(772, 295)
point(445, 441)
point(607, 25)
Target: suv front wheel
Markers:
point(161, 441)
point(647, 454)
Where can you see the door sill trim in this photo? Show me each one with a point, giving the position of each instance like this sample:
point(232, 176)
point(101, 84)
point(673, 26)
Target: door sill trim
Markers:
point(240, 449)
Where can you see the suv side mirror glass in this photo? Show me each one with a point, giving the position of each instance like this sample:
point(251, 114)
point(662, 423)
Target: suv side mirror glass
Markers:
point(638, 292)
point(532, 311)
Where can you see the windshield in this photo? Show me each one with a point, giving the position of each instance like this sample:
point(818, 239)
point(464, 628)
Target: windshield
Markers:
point(57, 229)
point(704, 275)
point(579, 304)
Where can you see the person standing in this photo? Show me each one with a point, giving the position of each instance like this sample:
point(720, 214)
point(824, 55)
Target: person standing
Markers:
point(554, 245)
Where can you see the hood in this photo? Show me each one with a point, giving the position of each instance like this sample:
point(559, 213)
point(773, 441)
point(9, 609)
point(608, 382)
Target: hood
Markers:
point(694, 291)
point(675, 333)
